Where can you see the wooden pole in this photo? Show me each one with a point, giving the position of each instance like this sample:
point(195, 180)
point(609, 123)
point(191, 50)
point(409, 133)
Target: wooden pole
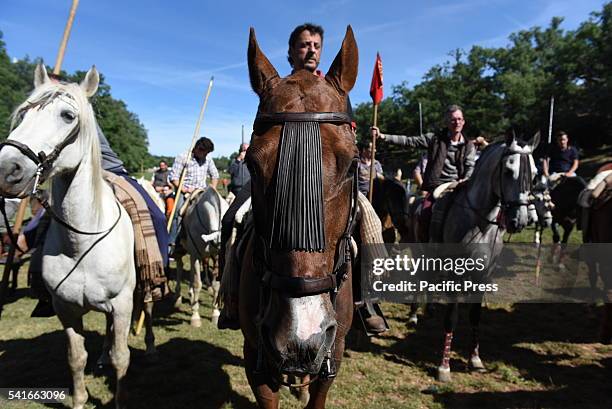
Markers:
point(373, 158)
point(193, 141)
point(60, 54)
point(550, 119)
point(420, 118)
point(24, 202)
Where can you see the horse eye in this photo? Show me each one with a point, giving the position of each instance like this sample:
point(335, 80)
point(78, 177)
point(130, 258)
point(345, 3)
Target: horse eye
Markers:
point(68, 116)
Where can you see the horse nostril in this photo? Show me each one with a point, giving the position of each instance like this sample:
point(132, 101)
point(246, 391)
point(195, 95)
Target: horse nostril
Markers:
point(14, 173)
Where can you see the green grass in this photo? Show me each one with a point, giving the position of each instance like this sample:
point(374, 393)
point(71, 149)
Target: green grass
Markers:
point(537, 356)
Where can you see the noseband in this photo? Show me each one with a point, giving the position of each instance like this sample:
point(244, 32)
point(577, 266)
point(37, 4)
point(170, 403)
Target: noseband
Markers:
point(299, 226)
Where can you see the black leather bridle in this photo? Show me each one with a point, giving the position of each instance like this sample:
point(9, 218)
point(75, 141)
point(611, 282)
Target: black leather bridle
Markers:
point(299, 286)
point(44, 163)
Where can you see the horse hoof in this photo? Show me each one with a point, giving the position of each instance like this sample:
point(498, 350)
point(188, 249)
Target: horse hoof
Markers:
point(196, 322)
point(178, 302)
point(413, 321)
point(475, 364)
point(444, 374)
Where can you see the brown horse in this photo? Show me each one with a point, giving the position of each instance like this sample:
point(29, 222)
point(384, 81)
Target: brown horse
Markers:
point(295, 306)
point(599, 230)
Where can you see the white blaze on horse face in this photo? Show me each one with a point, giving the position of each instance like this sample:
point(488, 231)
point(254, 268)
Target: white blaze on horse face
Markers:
point(513, 164)
point(309, 314)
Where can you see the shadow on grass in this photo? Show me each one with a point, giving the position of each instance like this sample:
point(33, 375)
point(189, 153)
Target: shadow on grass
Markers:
point(544, 342)
point(189, 373)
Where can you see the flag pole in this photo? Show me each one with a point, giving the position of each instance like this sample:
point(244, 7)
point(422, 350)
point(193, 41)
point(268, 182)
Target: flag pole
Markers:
point(376, 94)
point(373, 158)
point(193, 141)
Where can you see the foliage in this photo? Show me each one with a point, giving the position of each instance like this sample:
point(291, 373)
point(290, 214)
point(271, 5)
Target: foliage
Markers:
point(511, 86)
point(124, 131)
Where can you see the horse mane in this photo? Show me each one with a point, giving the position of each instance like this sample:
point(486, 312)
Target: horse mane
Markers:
point(87, 139)
point(491, 153)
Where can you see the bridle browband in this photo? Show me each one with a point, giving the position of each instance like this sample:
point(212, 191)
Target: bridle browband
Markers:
point(299, 286)
point(338, 118)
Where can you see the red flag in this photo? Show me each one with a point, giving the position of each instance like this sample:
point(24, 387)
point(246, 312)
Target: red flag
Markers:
point(376, 88)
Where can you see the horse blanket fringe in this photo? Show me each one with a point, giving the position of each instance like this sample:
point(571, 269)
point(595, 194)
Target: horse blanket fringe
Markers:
point(149, 263)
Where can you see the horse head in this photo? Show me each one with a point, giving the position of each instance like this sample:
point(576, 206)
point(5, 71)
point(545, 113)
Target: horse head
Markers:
point(53, 132)
point(302, 161)
point(513, 189)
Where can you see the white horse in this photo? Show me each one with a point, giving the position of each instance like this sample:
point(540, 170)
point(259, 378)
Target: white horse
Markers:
point(201, 237)
point(153, 194)
point(88, 260)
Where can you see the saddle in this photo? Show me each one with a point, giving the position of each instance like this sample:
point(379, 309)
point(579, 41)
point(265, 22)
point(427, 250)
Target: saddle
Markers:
point(151, 279)
point(598, 192)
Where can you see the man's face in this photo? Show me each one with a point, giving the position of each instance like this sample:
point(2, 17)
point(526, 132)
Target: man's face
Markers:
point(366, 153)
point(163, 166)
point(166, 190)
point(455, 121)
point(306, 51)
point(562, 141)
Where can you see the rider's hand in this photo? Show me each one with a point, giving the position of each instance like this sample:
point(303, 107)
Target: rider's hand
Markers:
point(480, 141)
point(376, 133)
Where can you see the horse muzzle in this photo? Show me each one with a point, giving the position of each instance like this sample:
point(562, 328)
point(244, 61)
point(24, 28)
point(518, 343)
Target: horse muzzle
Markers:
point(17, 173)
point(298, 342)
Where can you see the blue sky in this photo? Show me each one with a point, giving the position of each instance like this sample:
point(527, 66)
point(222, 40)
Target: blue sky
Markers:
point(158, 56)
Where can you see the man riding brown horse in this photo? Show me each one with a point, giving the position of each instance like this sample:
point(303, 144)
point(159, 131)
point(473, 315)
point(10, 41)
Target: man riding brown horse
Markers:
point(304, 53)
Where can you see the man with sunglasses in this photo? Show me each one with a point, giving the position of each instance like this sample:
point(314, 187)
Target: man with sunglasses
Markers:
point(451, 157)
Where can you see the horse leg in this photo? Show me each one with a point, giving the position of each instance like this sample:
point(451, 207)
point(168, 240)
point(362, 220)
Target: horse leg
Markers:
point(216, 285)
point(151, 350)
point(413, 319)
point(450, 322)
point(475, 363)
point(568, 227)
point(178, 299)
point(266, 397)
point(537, 235)
point(77, 354)
point(104, 359)
point(555, 229)
point(194, 292)
point(120, 353)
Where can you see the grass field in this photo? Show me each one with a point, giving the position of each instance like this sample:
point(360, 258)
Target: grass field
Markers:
point(537, 356)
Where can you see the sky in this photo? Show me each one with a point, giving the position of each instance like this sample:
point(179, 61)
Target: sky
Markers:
point(158, 56)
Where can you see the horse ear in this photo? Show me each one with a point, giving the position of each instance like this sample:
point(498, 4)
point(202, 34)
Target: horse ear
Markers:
point(535, 141)
point(40, 75)
point(262, 73)
point(510, 137)
point(343, 71)
point(91, 82)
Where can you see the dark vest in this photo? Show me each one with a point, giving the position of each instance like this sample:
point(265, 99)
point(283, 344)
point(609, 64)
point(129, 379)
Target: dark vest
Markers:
point(437, 155)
